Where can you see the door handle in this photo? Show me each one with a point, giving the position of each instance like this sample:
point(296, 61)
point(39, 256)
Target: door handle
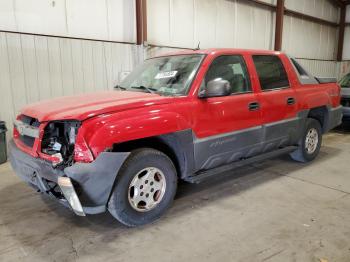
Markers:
point(290, 101)
point(253, 106)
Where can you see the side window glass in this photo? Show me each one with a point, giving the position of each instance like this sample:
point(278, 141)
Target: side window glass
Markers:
point(231, 68)
point(271, 72)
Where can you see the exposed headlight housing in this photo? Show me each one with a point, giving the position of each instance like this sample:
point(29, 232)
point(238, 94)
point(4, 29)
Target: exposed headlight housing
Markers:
point(59, 140)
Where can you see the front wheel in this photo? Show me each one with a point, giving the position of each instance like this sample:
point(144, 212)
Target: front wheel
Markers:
point(310, 143)
point(144, 189)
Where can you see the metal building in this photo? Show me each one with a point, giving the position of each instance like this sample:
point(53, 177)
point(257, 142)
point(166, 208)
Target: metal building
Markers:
point(61, 47)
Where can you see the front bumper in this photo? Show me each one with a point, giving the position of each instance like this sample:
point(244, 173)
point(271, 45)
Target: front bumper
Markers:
point(346, 113)
point(91, 183)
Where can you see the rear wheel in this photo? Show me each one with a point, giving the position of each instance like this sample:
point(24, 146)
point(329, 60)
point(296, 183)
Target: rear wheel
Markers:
point(310, 143)
point(144, 189)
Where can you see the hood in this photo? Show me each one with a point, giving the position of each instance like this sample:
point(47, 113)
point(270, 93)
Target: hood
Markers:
point(345, 92)
point(81, 107)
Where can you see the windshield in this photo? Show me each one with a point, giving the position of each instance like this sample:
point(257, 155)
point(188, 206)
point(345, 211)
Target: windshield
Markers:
point(345, 81)
point(170, 75)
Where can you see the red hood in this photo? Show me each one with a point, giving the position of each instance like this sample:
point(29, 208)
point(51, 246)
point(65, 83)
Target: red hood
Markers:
point(81, 107)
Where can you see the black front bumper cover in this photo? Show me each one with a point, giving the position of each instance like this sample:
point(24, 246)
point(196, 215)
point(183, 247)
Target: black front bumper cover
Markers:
point(93, 181)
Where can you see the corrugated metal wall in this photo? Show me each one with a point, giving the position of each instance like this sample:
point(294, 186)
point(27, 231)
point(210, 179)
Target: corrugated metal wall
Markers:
point(240, 24)
point(320, 68)
point(346, 51)
point(105, 20)
point(34, 68)
point(309, 40)
point(314, 44)
point(318, 8)
point(213, 23)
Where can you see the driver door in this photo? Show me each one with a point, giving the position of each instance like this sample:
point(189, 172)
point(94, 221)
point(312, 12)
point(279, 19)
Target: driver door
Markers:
point(227, 128)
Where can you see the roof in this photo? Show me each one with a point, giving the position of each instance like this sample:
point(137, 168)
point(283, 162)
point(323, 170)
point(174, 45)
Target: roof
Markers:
point(213, 51)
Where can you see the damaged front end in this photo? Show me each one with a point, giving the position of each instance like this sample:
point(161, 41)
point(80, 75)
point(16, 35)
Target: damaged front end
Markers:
point(54, 158)
point(59, 142)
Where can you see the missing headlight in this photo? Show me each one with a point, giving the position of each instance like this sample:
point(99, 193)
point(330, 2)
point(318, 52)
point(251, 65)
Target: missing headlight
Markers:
point(59, 139)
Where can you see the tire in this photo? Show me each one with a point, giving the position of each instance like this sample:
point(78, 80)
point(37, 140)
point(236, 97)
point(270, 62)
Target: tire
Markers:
point(304, 153)
point(144, 170)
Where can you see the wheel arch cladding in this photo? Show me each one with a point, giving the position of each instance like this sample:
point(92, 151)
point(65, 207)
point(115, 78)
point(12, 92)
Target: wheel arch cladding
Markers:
point(96, 179)
point(321, 114)
point(178, 146)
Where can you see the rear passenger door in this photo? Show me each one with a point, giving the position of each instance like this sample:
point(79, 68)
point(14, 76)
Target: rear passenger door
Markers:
point(278, 102)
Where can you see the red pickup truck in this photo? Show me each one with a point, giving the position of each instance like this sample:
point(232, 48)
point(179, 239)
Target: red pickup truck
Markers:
point(189, 115)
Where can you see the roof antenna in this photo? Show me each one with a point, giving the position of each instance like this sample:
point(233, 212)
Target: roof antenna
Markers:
point(198, 46)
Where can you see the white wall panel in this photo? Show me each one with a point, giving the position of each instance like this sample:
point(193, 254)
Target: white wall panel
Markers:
point(40, 16)
point(320, 68)
point(112, 20)
point(182, 22)
point(263, 28)
point(111, 81)
point(77, 66)
point(18, 86)
point(309, 40)
point(67, 66)
point(29, 58)
point(206, 16)
point(158, 22)
point(244, 27)
point(346, 50)
point(88, 66)
point(87, 18)
point(7, 15)
point(56, 81)
point(43, 67)
point(99, 66)
point(34, 68)
point(225, 15)
point(319, 8)
point(121, 20)
point(7, 110)
point(213, 23)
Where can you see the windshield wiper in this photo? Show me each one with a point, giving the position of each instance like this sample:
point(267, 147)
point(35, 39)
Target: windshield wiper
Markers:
point(120, 87)
point(148, 89)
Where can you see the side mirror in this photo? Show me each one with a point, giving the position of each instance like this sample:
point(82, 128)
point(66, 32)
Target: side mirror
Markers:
point(215, 88)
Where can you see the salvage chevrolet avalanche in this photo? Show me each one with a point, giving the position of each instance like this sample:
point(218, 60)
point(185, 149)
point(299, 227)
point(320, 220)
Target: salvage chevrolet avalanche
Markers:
point(184, 116)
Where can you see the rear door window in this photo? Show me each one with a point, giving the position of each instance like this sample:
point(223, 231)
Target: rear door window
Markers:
point(271, 72)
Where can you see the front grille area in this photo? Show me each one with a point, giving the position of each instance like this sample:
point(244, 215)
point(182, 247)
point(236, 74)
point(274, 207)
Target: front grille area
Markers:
point(27, 140)
point(345, 101)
